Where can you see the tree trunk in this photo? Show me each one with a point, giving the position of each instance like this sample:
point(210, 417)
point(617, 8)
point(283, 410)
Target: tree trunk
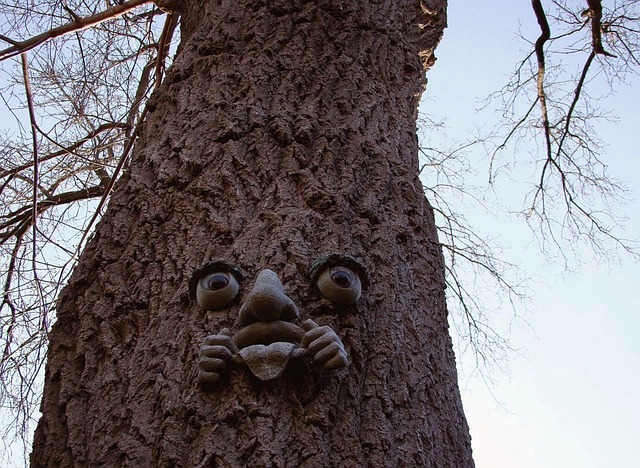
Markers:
point(285, 131)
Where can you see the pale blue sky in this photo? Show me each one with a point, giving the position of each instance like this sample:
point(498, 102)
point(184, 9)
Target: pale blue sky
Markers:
point(571, 398)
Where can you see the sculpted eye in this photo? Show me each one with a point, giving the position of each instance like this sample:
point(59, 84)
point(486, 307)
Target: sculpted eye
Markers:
point(216, 290)
point(341, 278)
point(217, 281)
point(339, 284)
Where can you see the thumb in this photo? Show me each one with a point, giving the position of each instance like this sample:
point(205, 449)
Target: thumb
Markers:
point(309, 325)
point(225, 331)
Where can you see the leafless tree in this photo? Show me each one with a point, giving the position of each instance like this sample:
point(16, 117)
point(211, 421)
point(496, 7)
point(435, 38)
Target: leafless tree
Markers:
point(83, 96)
point(554, 100)
point(80, 72)
point(474, 262)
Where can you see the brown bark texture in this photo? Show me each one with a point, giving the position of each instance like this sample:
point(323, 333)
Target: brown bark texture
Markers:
point(284, 131)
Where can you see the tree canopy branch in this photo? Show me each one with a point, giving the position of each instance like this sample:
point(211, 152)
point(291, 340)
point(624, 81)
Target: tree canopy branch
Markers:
point(595, 13)
point(77, 25)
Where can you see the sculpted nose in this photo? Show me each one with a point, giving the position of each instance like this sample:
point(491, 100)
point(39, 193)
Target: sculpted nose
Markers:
point(267, 301)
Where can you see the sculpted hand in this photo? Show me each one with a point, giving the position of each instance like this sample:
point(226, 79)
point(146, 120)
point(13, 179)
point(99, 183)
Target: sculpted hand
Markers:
point(215, 353)
point(323, 345)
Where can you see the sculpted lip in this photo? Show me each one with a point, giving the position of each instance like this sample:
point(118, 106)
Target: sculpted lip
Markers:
point(266, 333)
point(266, 347)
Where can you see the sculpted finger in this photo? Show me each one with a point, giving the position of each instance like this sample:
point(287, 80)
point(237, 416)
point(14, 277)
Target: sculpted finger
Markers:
point(208, 377)
point(327, 353)
point(322, 342)
point(309, 325)
point(338, 361)
point(299, 352)
point(212, 364)
point(220, 352)
point(313, 334)
point(220, 340)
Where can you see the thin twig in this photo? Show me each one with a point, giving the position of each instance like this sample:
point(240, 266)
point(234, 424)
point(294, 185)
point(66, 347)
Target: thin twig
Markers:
point(67, 149)
point(34, 211)
point(114, 177)
point(76, 25)
point(163, 47)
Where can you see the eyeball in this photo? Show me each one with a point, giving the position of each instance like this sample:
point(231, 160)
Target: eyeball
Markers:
point(216, 290)
point(340, 285)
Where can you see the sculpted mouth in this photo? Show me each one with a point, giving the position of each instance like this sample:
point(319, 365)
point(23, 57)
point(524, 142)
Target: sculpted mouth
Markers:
point(266, 333)
point(266, 347)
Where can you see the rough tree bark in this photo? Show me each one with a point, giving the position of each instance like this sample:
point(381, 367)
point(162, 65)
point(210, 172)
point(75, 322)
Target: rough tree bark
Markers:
point(284, 131)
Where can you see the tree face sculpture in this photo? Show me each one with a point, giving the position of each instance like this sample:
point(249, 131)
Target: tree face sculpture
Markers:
point(284, 132)
point(267, 336)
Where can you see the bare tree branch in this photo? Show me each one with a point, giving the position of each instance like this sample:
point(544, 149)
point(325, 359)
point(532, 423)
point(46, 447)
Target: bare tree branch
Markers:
point(163, 47)
point(595, 14)
point(88, 90)
point(545, 34)
point(66, 150)
point(34, 211)
point(77, 25)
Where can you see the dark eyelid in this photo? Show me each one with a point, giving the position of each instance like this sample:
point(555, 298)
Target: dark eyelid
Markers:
point(214, 266)
point(338, 259)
